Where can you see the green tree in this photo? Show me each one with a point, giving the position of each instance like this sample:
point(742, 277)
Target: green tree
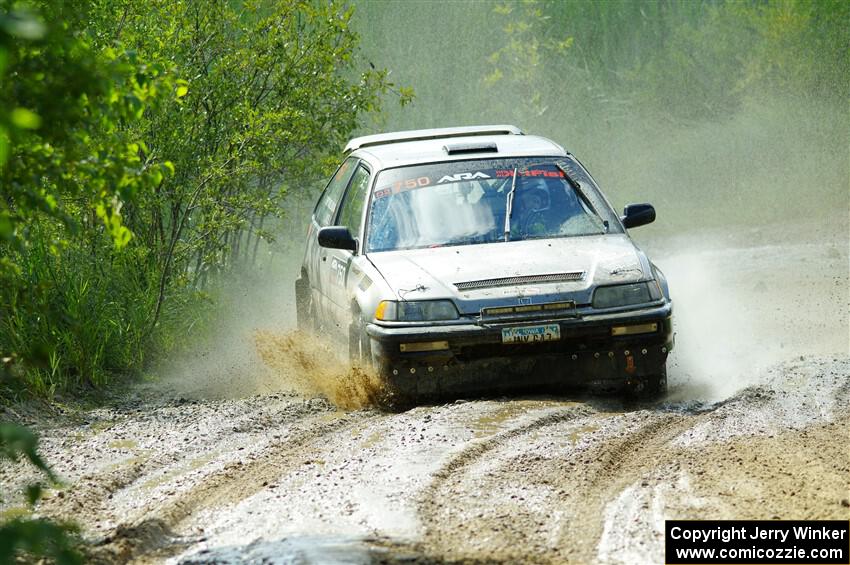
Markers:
point(147, 148)
point(273, 94)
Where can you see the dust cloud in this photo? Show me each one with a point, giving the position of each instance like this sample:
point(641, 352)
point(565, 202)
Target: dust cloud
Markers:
point(254, 348)
point(741, 309)
point(221, 360)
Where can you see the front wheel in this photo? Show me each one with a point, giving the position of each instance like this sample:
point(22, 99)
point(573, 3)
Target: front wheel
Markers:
point(359, 346)
point(650, 387)
point(657, 385)
point(304, 310)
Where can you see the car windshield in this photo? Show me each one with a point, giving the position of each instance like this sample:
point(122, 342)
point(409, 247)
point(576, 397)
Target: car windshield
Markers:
point(466, 202)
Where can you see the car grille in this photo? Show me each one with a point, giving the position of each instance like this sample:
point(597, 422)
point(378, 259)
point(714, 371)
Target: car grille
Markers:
point(528, 279)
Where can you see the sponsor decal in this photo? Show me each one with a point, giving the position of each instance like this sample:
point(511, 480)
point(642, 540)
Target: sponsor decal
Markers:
point(463, 176)
point(530, 173)
point(338, 269)
point(403, 186)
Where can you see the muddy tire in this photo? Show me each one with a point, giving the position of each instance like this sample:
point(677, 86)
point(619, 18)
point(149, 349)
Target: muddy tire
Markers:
point(651, 387)
point(399, 396)
point(359, 346)
point(656, 386)
point(305, 314)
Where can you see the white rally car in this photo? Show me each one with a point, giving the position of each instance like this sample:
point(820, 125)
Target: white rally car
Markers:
point(480, 258)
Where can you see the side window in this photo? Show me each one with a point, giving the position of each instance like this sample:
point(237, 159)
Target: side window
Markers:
point(330, 197)
point(352, 205)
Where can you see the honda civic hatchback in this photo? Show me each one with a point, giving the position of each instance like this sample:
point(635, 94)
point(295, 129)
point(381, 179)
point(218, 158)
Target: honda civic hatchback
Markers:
point(482, 259)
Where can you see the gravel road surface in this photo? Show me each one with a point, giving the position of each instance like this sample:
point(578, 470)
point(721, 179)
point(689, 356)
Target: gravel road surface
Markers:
point(302, 468)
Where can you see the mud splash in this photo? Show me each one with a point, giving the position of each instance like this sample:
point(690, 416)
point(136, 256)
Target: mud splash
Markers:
point(313, 367)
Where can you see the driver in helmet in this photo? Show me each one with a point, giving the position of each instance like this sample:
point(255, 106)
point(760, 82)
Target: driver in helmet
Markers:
point(532, 209)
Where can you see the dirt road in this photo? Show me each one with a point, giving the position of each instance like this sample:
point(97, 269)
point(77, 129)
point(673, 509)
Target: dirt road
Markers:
point(756, 425)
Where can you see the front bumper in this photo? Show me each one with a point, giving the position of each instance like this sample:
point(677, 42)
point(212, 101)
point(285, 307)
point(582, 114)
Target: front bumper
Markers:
point(476, 358)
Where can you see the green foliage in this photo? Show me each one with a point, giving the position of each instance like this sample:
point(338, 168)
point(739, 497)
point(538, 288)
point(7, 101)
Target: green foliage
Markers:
point(687, 59)
point(68, 149)
point(17, 441)
point(270, 101)
point(37, 538)
point(145, 148)
point(71, 164)
point(32, 537)
point(518, 64)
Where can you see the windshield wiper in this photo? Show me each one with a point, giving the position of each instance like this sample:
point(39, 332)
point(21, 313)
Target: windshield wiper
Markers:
point(509, 207)
point(577, 187)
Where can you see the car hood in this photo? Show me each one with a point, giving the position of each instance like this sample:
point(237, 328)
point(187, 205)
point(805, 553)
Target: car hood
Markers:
point(426, 274)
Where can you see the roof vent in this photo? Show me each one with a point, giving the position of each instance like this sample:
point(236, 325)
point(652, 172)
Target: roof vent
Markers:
point(461, 148)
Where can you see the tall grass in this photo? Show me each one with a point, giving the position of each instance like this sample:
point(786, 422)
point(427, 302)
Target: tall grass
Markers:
point(82, 314)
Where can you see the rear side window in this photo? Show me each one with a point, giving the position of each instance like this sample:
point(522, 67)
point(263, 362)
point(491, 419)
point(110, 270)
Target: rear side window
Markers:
point(352, 206)
point(330, 197)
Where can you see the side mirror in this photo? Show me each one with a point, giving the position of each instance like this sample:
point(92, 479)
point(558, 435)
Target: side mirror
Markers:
point(337, 237)
point(635, 215)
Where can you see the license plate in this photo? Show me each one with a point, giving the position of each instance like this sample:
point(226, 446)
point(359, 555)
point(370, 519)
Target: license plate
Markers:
point(531, 334)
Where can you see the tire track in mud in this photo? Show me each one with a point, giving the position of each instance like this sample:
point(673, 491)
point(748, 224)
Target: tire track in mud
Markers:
point(537, 506)
point(157, 534)
point(115, 464)
point(480, 448)
point(619, 463)
point(90, 504)
point(438, 504)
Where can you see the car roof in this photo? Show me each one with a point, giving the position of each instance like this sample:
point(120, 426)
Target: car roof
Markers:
point(436, 145)
point(422, 134)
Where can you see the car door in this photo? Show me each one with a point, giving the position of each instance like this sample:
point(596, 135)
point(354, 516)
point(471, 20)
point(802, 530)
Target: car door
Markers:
point(337, 262)
point(323, 215)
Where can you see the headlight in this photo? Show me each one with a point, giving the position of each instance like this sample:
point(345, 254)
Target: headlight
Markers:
point(416, 311)
point(622, 295)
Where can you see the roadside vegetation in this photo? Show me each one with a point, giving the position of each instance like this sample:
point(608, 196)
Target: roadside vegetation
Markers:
point(146, 148)
point(33, 536)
